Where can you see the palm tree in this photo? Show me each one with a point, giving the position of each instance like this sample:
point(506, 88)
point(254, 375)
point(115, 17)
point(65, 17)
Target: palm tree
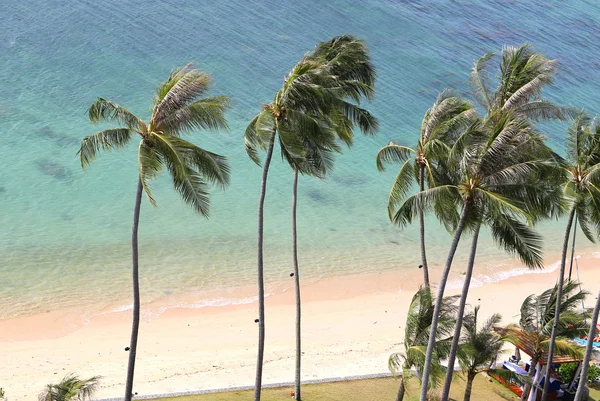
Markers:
point(523, 75)
point(537, 320)
point(71, 388)
point(582, 189)
point(505, 183)
point(320, 141)
point(588, 351)
point(312, 103)
point(479, 348)
point(440, 125)
point(494, 183)
point(178, 108)
point(416, 336)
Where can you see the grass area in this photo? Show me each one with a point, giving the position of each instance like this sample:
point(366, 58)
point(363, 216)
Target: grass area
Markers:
point(361, 390)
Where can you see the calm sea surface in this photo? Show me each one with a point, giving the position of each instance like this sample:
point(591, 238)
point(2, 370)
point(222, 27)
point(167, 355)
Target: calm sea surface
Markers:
point(64, 234)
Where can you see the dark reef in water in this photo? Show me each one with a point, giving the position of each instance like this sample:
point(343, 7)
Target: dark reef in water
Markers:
point(61, 139)
point(53, 169)
point(353, 179)
point(317, 196)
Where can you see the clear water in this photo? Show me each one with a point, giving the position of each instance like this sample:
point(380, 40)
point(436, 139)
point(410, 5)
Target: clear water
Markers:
point(64, 234)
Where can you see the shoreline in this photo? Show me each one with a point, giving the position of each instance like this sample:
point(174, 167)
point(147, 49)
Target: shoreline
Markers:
point(351, 324)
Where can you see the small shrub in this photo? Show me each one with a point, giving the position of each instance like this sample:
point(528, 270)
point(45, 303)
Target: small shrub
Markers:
point(567, 370)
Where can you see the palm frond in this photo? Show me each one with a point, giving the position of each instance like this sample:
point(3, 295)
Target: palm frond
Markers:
point(422, 201)
point(190, 183)
point(208, 113)
point(183, 86)
point(393, 153)
point(106, 140)
point(150, 163)
point(258, 134)
point(105, 110)
point(479, 80)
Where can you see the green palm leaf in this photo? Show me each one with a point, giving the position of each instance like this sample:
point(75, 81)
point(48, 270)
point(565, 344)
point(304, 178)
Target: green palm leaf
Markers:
point(105, 110)
point(109, 139)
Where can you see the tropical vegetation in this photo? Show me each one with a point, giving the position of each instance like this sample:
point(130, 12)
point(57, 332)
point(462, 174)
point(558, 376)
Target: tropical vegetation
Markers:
point(585, 371)
point(581, 189)
point(538, 313)
point(479, 347)
point(416, 337)
point(441, 125)
point(496, 172)
point(312, 111)
point(71, 388)
point(179, 108)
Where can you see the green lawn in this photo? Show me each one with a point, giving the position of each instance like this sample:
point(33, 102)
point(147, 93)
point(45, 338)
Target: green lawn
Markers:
point(365, 390)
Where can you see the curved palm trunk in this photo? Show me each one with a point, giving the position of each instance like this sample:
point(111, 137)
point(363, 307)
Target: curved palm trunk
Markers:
point(422, 229)
point(561, 278)
point(438, 302)
point(459, 320)
point(527, 389)
point(588, 351)
point(401, 390)
point(135, 324)
point(469, 388)
point(573, 247)
point(261, 284)
point(297, 395)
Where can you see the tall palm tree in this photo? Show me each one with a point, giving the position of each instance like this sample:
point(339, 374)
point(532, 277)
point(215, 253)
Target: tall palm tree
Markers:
point(523, 75)
point(537, 319)
point(71, 388)
point(588, 350)
point(492, 184)
point(179, 107)
point(314, 102)
point(441, 123)
point(416, 336)
point(320, 142)
point(582, 189)
point(505, 185)
point(479, 348)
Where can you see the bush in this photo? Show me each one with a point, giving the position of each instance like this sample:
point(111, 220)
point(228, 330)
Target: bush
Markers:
point(593, 373)
point(567, 370)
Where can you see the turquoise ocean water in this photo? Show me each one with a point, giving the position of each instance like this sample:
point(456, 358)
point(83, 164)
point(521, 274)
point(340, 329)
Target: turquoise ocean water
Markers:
point(64, 234)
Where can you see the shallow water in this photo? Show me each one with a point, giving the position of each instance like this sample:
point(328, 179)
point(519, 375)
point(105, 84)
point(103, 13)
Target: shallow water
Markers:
point(65, 234)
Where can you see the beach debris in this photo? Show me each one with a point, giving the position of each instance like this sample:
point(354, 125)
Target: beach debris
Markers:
point(127, 348)
point(420, 266)
point(291, 274)
point(48, 133)
point(53, 169)
point(256, 320)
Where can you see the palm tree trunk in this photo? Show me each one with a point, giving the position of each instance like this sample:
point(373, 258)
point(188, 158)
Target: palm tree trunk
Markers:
point(401, 390)
point(438, 301)
point(561, 278)
point(527, 389)
point(297, 395)
point(469, 388)
point(573, 248)
point(588, 351)
point(261, 284)
point(135, 324)
point(459, 318)
point(422, 229)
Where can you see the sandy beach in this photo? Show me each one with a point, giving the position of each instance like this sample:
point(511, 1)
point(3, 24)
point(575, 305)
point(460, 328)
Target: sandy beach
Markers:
point(350, 326)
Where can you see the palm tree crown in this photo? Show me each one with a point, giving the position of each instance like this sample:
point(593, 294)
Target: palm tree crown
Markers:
point(70, 388)
point(416, 337)
point(177, 110)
